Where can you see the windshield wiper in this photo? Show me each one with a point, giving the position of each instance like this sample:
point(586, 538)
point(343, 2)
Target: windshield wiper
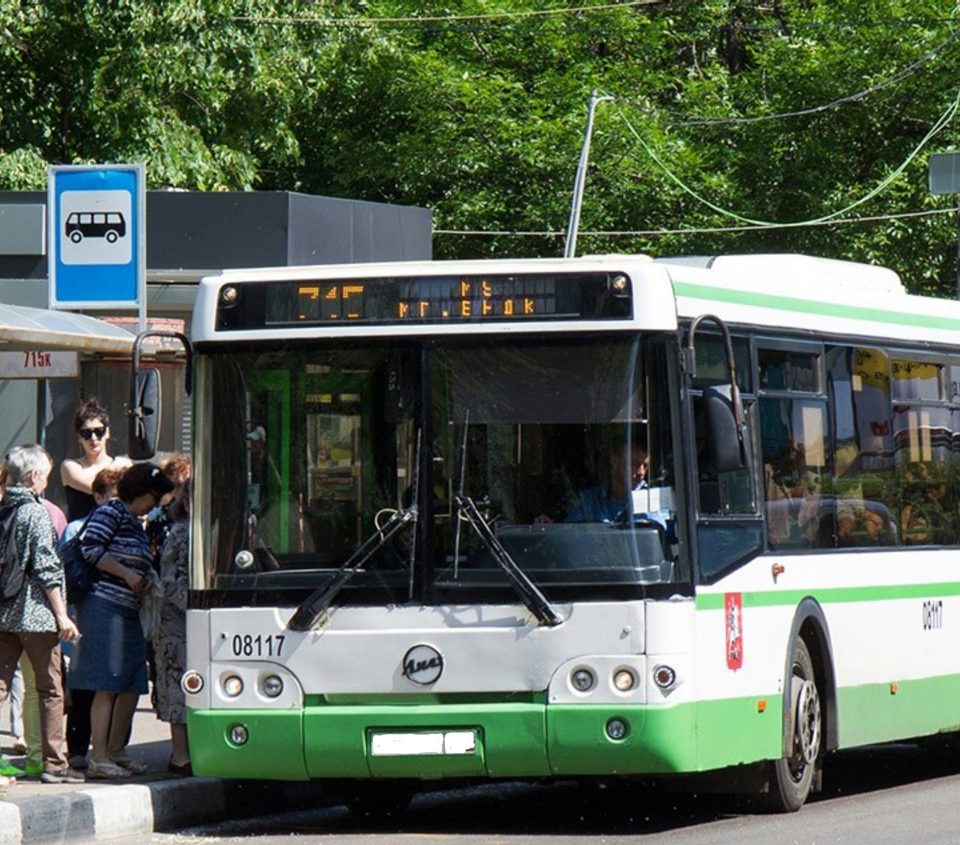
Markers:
point(318, 602)
point(536, 602)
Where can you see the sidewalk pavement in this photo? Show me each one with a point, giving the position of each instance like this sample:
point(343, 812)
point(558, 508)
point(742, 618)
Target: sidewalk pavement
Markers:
point(34, 812)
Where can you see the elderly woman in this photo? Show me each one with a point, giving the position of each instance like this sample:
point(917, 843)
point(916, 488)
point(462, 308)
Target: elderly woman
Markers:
point(35, 620)
point(111, 657)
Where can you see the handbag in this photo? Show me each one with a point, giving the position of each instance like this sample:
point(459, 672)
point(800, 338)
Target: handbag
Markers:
point(80, 573)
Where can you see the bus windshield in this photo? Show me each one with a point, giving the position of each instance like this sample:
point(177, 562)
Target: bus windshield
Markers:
point(556, 454)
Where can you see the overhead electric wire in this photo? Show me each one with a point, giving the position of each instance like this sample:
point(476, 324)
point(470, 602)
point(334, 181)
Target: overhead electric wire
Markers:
point(940, 123)
point(692, 230)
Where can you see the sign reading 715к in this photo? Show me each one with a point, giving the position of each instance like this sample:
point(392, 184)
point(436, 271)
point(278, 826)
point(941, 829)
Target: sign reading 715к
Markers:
point(426, 299)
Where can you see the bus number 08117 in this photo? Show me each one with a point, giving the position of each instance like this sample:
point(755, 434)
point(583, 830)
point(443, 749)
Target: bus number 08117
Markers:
point(249, 645)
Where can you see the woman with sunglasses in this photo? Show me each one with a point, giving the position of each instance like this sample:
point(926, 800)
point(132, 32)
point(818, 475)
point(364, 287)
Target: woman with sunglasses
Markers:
point(92, 426)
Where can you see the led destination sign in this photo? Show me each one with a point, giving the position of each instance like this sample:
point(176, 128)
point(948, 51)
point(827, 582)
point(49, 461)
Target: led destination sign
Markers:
point(425, 300)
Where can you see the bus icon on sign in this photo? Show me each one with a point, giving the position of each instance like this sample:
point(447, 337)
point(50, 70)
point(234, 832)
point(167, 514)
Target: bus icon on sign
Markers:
point(83, 224)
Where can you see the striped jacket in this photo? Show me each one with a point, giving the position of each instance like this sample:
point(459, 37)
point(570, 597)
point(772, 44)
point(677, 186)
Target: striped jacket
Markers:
point(112, 529)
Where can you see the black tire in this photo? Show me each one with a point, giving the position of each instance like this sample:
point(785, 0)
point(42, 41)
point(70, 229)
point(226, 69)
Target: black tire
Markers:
point(792, 777)
point(111, 236)
point(378, 801)
point(76, 236)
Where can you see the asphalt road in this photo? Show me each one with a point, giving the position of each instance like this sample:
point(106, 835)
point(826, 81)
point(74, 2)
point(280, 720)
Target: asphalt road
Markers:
point(897, 794)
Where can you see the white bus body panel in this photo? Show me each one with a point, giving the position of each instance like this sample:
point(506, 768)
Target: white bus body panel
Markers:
point(485, 649)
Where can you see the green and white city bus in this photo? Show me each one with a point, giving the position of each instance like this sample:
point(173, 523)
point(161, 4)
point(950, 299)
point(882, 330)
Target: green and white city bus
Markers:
point(575, 517)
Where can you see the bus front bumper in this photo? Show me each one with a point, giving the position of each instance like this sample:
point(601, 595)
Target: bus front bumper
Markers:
point(496, 740)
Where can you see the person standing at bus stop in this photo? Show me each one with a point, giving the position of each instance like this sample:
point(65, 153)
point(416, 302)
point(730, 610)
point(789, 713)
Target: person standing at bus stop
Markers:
point(91, 425)
point(111, 658)
point(35, 621)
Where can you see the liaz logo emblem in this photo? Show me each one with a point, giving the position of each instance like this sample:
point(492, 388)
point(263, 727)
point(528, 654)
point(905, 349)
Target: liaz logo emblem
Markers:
point(423, 665)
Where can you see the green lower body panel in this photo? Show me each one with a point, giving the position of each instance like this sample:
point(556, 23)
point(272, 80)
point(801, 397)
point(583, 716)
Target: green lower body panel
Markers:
point(663, 740)
point(273, 750)
point(504, 739)
point(510, 740)
point(898, 710)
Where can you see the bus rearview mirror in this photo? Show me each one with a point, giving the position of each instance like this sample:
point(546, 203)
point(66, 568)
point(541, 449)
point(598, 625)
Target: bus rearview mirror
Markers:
point(144, 418)
point(724, 438)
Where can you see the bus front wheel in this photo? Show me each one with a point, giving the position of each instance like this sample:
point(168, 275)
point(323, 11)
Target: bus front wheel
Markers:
point(792, 776)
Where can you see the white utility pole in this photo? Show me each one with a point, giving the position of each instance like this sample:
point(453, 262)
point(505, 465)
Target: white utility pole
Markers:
point(571, 247)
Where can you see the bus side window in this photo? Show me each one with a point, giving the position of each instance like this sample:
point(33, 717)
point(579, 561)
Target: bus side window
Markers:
point(725, 493)
point(794, 454)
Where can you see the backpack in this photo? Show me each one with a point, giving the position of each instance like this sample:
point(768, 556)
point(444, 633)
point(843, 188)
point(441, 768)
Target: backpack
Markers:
point(12, 571)
point(80, 573)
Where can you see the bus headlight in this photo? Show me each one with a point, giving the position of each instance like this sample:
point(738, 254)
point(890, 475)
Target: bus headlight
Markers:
point(272, 686)
point(232, 685)
point(582, 680)
point(244, 560)
point(624, 680)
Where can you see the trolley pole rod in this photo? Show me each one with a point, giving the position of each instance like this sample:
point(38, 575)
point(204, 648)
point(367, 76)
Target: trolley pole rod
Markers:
point(570, 249)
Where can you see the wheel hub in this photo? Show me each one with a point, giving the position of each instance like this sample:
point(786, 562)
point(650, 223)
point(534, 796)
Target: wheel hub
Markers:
point(807, 733)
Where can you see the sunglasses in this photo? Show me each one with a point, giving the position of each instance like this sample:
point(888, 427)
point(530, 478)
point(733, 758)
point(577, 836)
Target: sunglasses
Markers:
point(90, 433)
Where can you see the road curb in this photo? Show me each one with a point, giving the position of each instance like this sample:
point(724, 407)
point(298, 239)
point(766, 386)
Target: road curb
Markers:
point(133, 809)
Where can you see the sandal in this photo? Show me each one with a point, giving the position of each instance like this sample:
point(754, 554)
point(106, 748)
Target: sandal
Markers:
point(107, 771)
point(130, 765)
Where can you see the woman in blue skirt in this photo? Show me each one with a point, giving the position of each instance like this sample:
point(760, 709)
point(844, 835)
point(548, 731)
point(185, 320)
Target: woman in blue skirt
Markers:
point(110, 659)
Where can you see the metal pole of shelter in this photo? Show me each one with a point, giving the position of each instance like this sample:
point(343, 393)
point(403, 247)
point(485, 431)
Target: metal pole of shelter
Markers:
point(570, 249)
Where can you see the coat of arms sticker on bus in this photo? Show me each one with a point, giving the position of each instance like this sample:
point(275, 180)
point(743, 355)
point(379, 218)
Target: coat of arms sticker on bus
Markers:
point(733, 613)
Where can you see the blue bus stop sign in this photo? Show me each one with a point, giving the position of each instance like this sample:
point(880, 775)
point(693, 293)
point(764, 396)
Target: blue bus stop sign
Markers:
point(96, 222)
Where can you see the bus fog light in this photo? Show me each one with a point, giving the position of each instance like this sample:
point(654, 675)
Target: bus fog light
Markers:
point(582, 680)
point(624, 680)
point(272, 686)
point(238, 734)
point(191, 682)
point(616, 729)
point(232, 685)
point(664, 677)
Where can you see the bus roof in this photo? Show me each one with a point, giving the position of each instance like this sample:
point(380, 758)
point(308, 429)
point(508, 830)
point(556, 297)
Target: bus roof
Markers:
point(796, 292)
point(817, 295)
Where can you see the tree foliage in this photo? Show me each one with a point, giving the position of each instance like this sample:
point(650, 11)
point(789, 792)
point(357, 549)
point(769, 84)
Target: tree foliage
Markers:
point(477, 110)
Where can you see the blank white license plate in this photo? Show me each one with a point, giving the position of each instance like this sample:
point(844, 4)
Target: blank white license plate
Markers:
point(433, 742)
